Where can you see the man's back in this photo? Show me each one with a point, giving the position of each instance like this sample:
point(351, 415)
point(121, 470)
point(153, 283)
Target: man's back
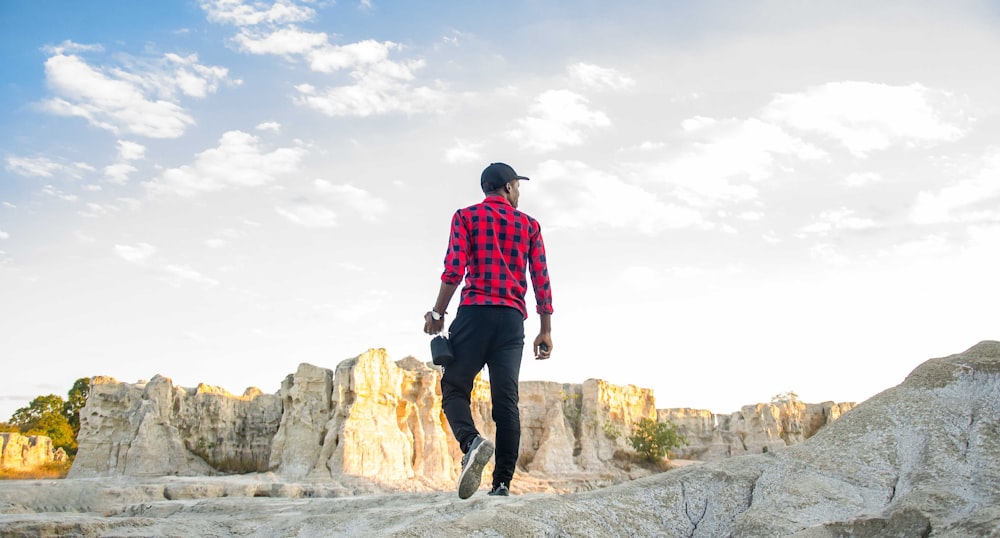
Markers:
point(496, 243)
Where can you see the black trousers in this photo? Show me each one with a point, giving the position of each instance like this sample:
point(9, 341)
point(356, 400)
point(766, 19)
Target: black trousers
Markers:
point(492, 336)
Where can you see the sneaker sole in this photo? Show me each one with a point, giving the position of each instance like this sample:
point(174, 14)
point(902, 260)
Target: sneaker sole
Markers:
point(472, 475)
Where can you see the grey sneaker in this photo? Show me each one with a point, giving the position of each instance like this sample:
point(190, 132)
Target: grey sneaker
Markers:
point(473, 463)
point(500, 490)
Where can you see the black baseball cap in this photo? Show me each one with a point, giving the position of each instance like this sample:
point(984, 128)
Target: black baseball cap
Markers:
point(497, 175)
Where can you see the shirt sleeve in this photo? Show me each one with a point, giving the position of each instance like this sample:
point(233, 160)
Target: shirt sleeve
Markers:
point(457, 256)
point(539, 272)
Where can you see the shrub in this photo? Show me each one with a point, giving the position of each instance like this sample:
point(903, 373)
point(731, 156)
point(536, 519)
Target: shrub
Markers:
point(653, 440)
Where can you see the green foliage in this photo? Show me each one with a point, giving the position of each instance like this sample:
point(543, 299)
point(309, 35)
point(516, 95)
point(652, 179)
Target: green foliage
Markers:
point(653, 440)
point(7, 427)
point(611, 431)
point(26, 418)
point(52, 417)
point(77, 398)
point(572, 407)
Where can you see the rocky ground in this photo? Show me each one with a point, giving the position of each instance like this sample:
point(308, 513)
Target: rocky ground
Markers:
point(919, 459)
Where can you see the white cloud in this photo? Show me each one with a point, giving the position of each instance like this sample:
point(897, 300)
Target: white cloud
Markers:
point(366, 53)
point(71, 47)
point(52, 191)
point(118, 172)
point(838, 219)
point(373, 94)
point(593, 76)
point(190, 77)
point(750, 215)
point(859, 179)
point(4, 235)
point(380, 85)
point(36, 167)
point(127, 152)
point(309, 215)
point(282, 42)
point(464, 152)
point(183, 273)
point(968, 200)
point(575, 195)
point(142, 101)
point(130, 151)
point(94, 210)
point(135, 253)
point(272, 126)
point(45, 167)
point(240, 13)
point(555, 119)
point(827, 253)
point(363, 202)
point(733, 155)
point(933, 246)
point(698, 123)
point(238, 161)
point(866, 116)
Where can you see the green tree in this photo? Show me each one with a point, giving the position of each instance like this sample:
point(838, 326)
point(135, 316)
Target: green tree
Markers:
point(77, 398)
point(653, 440)
point(45, 415)
point(7, 427)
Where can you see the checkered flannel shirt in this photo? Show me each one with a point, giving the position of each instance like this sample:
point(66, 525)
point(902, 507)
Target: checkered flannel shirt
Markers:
point(493, 246)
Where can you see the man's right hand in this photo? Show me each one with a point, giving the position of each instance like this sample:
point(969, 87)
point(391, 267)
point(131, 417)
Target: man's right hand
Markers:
point(432, 326)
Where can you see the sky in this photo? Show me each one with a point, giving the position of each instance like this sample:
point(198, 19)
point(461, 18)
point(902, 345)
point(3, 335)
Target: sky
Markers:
point(738, 199)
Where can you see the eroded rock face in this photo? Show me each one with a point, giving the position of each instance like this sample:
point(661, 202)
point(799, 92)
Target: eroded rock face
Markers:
point(919, 459)
point(157, 429)
point(26, 452)
point(382, 420)
point(754, 429)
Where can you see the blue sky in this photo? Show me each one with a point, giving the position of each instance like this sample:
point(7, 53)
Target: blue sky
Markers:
point(739, 199)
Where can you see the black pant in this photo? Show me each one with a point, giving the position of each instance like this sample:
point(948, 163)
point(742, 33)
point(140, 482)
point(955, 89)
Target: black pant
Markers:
point(491, 336)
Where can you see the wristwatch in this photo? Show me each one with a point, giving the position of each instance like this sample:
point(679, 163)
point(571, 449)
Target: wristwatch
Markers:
point(435, 316)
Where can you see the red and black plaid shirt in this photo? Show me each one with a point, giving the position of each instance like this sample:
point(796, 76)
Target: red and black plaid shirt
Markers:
point(493, 245)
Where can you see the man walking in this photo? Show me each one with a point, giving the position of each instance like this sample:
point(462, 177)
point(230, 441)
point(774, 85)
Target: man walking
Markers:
point(494, 247)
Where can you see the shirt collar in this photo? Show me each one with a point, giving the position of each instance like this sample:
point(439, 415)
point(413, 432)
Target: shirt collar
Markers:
point(496, 199)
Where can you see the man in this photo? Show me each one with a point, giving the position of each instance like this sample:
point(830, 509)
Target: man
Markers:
point(493, 246)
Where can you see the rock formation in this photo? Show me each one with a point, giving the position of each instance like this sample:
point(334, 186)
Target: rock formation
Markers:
point(381, 420)
point(754, 429)
point(919, 459)
point(26, 452)
point(156, 429)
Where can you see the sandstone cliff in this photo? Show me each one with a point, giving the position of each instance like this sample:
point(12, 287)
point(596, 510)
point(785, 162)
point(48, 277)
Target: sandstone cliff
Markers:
point(381, 420)
point(156, 429)
point(919, 459)
point(26, 452)
point(754, 429)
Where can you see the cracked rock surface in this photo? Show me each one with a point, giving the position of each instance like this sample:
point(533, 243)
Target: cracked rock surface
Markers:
point(919, 459)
